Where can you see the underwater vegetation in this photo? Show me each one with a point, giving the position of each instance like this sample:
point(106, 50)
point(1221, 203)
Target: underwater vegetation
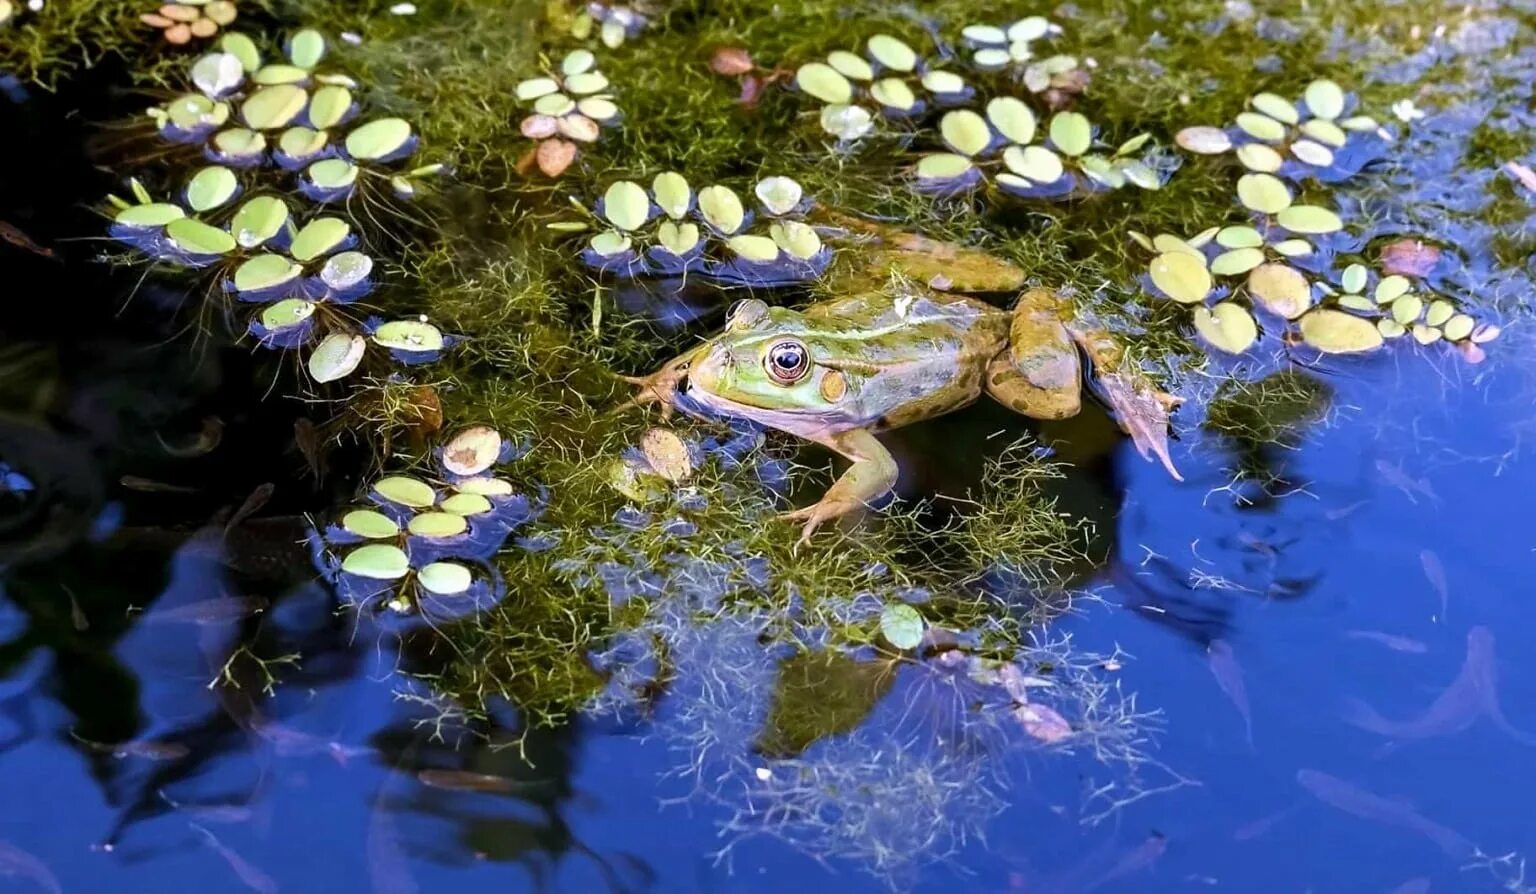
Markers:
point(603, 193)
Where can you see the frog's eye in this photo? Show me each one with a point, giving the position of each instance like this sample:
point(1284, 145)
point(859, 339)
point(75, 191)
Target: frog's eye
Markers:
point(746, 312)
point(787, 362)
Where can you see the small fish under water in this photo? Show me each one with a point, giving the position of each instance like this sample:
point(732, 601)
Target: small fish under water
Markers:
point(15, 862)
point(466, 781)
point(1396, 477)
point(1390, 640)
point(146, 749)
point(151, 486)
point(252, 877)
point(251, 506)
point(1352, 799)
point(10, 233)
point(1229, 676)
point(228, 814)
point(218, 610)
point(1435, 572)
point(206, 442)
point(1260, 827)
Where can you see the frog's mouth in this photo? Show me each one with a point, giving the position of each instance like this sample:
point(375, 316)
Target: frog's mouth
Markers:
point(701, 386)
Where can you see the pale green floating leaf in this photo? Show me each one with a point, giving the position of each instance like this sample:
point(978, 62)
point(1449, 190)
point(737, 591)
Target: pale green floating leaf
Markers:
point(465, 504)
point(271, 108)
point(1133, 144)
point(378, 561)
point(217, 73)
point(1390, 328)
point(893, 93)
point(797, 239)
point(1259, 157)
point(1309, 219)
point(1228, 327)
point(378, 138)
point(437, 524)
point(1353, 279)
point(306, 48)
point(1203, 140)
point(409, 335)
point(1264, 193)
point(1204, 237)
point(1181, 276)
point(721, 208)
point(779, 195)
point(673, 194)
point(984, 34)
point(1101, 170)
point(1313, 153)
point(270, 75)
point(942, 166)
point(554, 105)
point(1357, 302)
point(444, 578)
point(332, 173)
point(1071, 133)
point(1439, 311)
point(1407, 309)
point(850, 65)
point(1425, 335)
point(679, 239)
point(1336, 332)
point(1458, 327)
point(1391, 288)
point(154, 214)
point(533, 88)
point(1012, 118)
point(1036, 164)
point(902, 626)
point(942, 82)
point(1359, 122)
point(1029, 28)
point(846, 122)
point(301, 142)
point(337, 355)
point(598, 108)
point(194, 110)
point(1324, 99)
point(286, 313)
point(1239, 237)
point(319, 237)
point(823, 82)
point(237, 142)
point(1261, 127)
point(485, 487)
point(194, 236)
point(1280, 289)
point(1276, 107)
point(1293, 248)
point(891, 52)
point(1140, 239)
point(265, 272)
point(1167, 242)
point(1236, 261)
point(1325, 132)
point(369, 523)
point(328, 106)
point(609, 243)
point(754, 248)
point(626, 205)
point(586, 83)
point(965, 132)
point(243, 48)
point(577, 62)
point(1139, 173)
point(989, 58)
point(613, 34)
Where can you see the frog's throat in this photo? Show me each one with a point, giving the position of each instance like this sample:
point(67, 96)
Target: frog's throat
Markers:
point(811, 424)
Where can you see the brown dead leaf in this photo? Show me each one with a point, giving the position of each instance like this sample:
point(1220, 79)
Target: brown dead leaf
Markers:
point(1043, 723)
point(423, 416)
point(554, 156)
point(1409, 257)
point(731, 61)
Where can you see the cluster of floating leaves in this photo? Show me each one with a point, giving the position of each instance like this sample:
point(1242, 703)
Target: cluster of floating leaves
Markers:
point(614, 23)
point(1010, 49)
point(184, 20)
point(303, 268)
point(570, 106)
point(422, 549)
point(889, 80)
point(671, 230)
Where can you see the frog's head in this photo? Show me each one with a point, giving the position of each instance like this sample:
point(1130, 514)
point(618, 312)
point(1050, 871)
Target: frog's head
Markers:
point(770, 366)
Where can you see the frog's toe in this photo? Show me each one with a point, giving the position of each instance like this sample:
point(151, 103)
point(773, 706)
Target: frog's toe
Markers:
point(814, 515)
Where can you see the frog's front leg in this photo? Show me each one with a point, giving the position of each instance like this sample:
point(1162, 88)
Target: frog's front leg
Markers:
point(872, 475)
point(660, 387)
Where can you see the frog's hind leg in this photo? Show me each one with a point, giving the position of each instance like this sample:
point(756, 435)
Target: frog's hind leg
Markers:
point(1040, 374)
point(872, 475)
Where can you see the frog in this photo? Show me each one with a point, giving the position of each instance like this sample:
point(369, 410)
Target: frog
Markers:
point(843, 370)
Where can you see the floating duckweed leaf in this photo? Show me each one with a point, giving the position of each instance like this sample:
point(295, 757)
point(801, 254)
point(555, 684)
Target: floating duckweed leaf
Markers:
point(437, 524)
point(218, 73)
point(965, 132)
point(893, 93)
point(301, 142)
point(1458, 327)
point(1390, 328)
point(598, 108)
point(942, 166)
point(1391, 288)
point(1261, 127)
point(797, 239)
point(239, 143)
point(273, 107)
point(754, 248)
point(1309, 219)
point(379, 561)
point(346, 269)
point(1276, 107)
point(465, 504)
point(586, 83)
point(472, 450)
point(576, 62)
point(823, 82)
point(1324, 99)
point(891, 52)
point(1012, 118)
point(369, 523)
point(1406, 309)
point(1239, 237)
point(265, 272)
point(1439, 311)
point(1228, 327)
point(306, 48)
point(1336, 332)
point(846, 122)
point(378, 139)
point(1203, 140)
point(1034, 163)
point(609, 243)
point(1140, 173)
point(672, 194)
point(1359, 122)
point(1181, 276)
point(153, 214)
point(1071, 133)
point(1357, 302)
point(780, 195)
point(1425, 335)
point(1167, 242)
point(1029, 28)
point(319, 237)
point(533, 88)
point(1353, 279)
point(1133, 144)
point(942, 82)
point(1293, 248)
point(984, 34)
point(1237, 260)
point(1264, 193)
point(721, 208)
point(332, 173)
point(243, 48)
point(1280, 289)
point(286, 313)
point(851, 65)
point(485, 487)
point(328, 106)
point(337, 355)
point(1484, 333)
point(194, 111)
point(1101, 170)
point(1312, 153)
point(626, 205)
point(679, 239)
point(1259, 157)
point(198, 238)
point(1325, 132)
point(407, 491)
point(1141, 240)
point(409, 335)
point(901, 625)
point(279, 74)
point(444, 578)
point(991, 58)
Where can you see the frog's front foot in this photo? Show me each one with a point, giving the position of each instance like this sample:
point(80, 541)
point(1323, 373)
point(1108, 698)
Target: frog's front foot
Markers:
point(871, 476)
point(660, 387)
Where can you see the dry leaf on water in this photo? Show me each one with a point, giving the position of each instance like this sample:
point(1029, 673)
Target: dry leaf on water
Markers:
point(1408, 257)
point(1043, 723)
point(554, 156)
point(731, 61)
